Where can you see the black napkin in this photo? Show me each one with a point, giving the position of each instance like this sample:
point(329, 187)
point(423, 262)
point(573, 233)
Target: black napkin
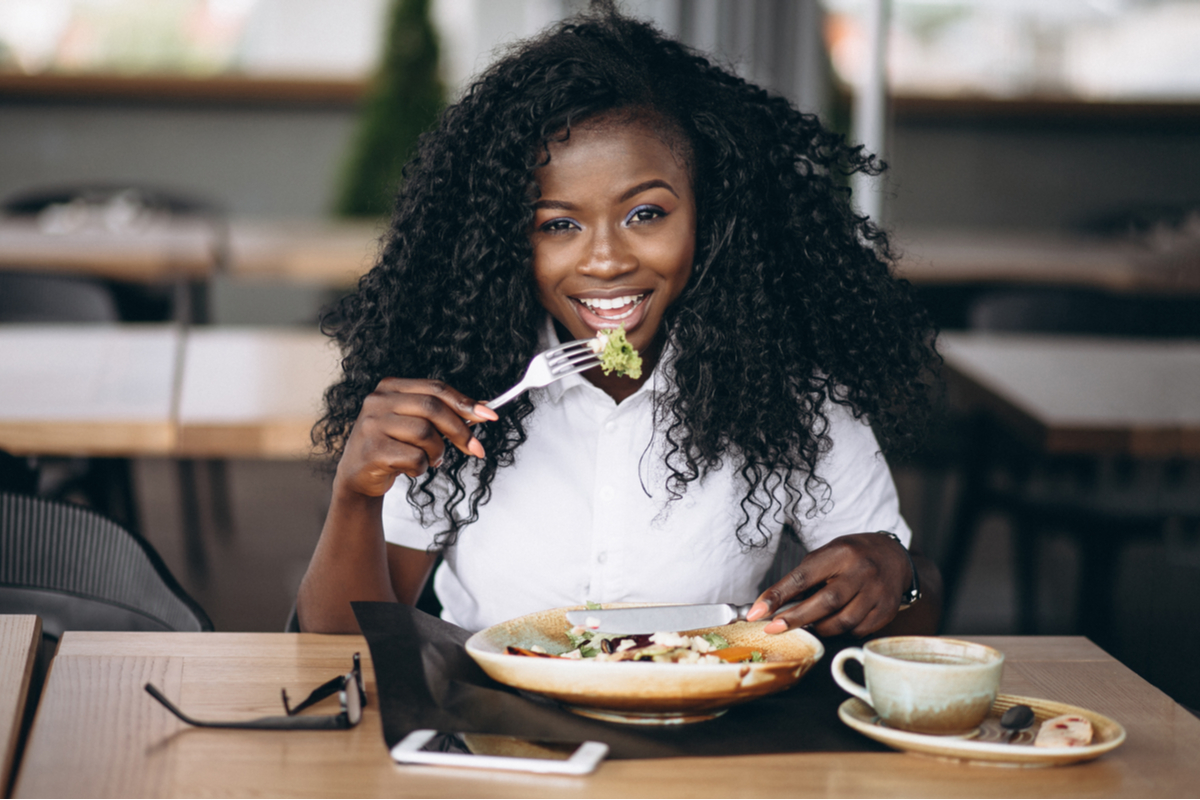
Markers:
point(425, 679)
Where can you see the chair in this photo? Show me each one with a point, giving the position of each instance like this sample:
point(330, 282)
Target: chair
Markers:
point(34, 298)
point(79, 570)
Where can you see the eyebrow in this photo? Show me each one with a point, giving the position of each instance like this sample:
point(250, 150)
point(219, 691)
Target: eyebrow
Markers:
point(656, 183)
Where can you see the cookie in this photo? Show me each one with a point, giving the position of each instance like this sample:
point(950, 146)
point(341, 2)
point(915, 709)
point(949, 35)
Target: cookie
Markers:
point(1069, 730)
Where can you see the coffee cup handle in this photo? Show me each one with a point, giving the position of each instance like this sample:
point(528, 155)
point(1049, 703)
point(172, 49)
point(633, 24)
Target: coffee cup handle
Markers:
point(843, 680)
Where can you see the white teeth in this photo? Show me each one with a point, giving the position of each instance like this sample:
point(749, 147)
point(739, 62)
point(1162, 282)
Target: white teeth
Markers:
point(606, 303)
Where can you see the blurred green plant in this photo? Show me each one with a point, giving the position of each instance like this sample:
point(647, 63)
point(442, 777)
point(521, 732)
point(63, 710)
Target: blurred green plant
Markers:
point(403, 101)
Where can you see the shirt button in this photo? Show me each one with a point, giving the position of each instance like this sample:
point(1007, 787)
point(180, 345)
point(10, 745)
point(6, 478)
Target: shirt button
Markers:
point(610, 426)
point(601, 557)
point(606, 493)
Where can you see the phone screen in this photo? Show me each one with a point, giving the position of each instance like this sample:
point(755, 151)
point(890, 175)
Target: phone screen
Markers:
point(487, 744)
point(495, 751)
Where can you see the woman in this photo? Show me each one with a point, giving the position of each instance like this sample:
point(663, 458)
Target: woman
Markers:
point(603, 175)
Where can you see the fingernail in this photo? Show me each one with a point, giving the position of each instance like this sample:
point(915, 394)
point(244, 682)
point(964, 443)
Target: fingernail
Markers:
point(476, 448)
point(775, 626)
point(437, 463)
point(480, 410)
point(757, 611)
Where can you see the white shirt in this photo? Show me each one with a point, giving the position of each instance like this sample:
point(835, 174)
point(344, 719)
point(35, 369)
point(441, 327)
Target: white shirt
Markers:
point(570, 521)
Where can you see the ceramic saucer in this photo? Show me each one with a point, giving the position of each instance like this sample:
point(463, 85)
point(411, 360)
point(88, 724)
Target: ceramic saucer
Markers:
point(988, 746)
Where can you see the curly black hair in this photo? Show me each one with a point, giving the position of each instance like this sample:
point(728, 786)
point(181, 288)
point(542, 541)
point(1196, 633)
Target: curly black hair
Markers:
point(791, 304)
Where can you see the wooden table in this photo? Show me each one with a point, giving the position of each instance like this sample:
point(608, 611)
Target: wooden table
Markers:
point(967, 257)
point(88, 390)
point(98, 734)
point(154, 253)
point(332, 253)
point(161, 390)
point(1083, 395)
point(253, 392)
point(20, 636)
point(324, 252)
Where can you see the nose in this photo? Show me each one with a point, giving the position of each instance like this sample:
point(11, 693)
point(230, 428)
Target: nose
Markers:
point(607, 254)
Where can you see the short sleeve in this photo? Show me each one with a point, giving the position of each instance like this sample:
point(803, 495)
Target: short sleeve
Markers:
point(401, 522)
point(861, 495)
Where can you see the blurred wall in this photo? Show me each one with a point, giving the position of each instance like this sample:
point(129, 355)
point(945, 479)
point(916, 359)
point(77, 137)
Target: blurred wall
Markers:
point(985, 169)
point(261, 161)
point(1048, 167)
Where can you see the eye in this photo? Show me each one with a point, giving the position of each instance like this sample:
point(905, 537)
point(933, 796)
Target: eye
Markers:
point(558, 225)
point(646, 213)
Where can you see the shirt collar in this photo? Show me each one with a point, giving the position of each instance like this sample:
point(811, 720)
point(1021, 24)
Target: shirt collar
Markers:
point(554, 392)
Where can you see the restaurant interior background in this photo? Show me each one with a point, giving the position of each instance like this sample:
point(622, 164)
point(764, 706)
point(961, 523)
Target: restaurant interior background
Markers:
point(1007, 121)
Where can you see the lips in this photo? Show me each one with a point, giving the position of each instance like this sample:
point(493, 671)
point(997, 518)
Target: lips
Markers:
point(600, 313)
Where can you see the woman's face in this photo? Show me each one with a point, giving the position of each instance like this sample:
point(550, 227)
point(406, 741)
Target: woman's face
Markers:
point(614, 232)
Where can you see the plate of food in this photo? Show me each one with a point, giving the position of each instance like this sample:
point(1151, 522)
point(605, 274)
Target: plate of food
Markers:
point(1059, 734)
point(656, 678)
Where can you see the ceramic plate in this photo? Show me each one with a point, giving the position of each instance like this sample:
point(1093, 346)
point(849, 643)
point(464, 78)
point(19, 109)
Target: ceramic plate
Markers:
point(986, 744)
point(641, 692)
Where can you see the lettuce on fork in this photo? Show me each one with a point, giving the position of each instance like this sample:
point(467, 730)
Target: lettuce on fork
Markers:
point(617, 354)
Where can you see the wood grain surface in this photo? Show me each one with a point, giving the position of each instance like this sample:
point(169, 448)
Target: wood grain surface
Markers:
point(98, 734)
point(19, 639)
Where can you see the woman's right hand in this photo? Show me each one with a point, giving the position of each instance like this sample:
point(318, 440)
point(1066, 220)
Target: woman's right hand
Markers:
point(403, 428)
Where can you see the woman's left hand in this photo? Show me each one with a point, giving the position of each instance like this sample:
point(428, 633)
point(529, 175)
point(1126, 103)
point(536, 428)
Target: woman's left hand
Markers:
point(856, 584)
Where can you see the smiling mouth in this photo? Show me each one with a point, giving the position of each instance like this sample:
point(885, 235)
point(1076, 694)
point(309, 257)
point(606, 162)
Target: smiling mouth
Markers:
point(612, 308)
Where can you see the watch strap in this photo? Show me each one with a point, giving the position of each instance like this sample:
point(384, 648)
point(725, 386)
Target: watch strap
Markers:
point(914, 591)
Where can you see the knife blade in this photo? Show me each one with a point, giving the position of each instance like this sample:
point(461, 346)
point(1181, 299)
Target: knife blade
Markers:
point(653, 619)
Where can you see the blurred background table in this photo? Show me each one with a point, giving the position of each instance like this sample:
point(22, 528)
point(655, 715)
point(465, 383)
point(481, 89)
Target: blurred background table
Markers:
point(153, 390)
point(1083, 394)
point(20, 636)
point(198, 395)
point(88, 390)
point(161, 251)
point(98, 734)
point(252, 392)
point(327, 252)
point(1047, 258)
point(1094, 437)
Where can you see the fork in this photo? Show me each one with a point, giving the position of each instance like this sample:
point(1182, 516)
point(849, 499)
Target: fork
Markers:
point(550, 365)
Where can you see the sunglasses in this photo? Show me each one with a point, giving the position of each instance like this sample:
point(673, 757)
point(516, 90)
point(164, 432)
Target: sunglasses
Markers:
point(349, 688)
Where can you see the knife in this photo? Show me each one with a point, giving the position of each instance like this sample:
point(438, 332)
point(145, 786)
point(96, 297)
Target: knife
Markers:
point(653, 619)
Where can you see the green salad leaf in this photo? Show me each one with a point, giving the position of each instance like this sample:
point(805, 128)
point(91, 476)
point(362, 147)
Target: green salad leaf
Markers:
point(617, 354)
point(588, 642)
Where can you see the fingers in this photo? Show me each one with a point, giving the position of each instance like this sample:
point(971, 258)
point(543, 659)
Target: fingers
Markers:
point(445, 407)
point(792, 585)
point(420, 412)
point(403, 427)
point(854, 585)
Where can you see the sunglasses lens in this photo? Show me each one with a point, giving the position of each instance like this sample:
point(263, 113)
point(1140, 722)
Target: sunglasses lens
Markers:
point(351, 699)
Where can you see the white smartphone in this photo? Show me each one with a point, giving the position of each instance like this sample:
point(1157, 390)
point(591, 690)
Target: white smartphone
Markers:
point(491, 751)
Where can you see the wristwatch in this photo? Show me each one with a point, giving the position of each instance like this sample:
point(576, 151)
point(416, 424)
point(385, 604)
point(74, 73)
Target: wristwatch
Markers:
point(914, 591)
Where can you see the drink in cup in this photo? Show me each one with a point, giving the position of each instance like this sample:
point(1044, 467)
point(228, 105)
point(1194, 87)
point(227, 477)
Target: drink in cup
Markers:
point(925, 684)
